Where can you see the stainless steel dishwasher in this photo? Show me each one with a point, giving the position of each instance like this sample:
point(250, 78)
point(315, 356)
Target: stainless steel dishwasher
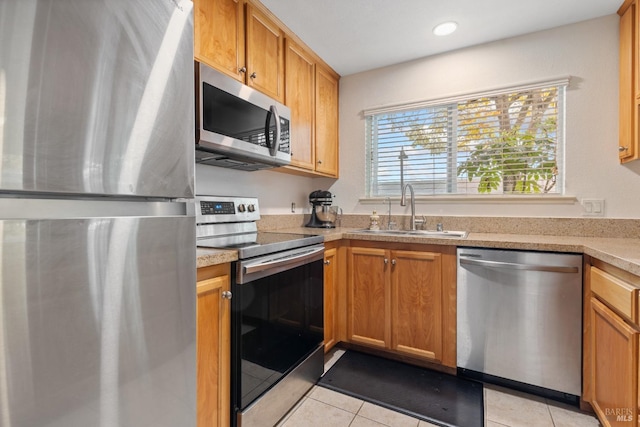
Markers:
point(520, 320)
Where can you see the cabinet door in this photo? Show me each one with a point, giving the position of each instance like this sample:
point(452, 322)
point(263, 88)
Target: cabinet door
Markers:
point(326, 125)
point(416, 304)
point(300, 98)
point(219, 35)
point(264, 55)
point(213, 347)
point(330, 296)
point(614, 372)
point(368, 304)
point(628, 85)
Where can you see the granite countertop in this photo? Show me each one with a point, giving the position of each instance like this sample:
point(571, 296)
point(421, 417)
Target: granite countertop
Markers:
point(206, 256)
point(622, 253)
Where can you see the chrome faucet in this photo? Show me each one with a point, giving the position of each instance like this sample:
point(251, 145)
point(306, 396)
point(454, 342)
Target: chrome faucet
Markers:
point(403, 202)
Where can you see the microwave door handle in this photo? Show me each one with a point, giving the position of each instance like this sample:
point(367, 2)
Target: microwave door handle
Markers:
point(275, 144)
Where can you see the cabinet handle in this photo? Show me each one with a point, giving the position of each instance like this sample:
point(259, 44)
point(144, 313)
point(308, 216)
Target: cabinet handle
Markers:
point(253, 75)
point(227, 294)
point(393, 262)
point(386, 261)
point(319, 162)
point(242, 70)
point(327, 262)
point(621, 148)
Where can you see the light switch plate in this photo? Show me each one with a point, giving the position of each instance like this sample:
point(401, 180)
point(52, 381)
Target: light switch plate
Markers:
point(592, 207)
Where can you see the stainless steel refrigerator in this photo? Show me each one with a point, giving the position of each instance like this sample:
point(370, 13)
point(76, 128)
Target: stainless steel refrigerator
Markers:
point(97, 248)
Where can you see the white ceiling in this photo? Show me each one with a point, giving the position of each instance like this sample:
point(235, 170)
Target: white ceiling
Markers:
point(359, 35)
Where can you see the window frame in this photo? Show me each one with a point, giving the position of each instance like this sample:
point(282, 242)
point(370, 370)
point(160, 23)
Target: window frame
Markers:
point(372, 186)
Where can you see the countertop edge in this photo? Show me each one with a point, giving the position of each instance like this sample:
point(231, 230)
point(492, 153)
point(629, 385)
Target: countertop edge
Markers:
point(619, 252)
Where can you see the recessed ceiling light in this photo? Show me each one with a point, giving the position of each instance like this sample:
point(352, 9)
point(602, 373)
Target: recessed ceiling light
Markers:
point(445, 28)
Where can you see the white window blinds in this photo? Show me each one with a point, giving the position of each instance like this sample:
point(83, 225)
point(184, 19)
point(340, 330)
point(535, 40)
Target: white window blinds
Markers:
point(501, 142)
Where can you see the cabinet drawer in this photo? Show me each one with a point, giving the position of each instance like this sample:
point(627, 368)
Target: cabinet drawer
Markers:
point(619, 294)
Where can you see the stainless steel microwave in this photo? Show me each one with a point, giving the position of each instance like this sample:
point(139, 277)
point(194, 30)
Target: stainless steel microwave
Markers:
point(236, 126)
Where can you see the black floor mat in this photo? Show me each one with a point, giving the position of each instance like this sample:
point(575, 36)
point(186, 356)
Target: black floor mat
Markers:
point(422, 393)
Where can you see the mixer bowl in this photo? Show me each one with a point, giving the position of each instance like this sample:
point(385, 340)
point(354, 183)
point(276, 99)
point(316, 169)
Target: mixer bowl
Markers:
point(326, 213)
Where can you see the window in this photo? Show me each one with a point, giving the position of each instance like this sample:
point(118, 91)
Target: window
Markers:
point(501, 142)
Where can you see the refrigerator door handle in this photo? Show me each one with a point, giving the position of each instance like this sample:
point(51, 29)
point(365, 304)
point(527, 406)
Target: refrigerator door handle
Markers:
point(515, 266)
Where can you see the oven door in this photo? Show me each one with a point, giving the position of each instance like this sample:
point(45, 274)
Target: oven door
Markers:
point(277, 320)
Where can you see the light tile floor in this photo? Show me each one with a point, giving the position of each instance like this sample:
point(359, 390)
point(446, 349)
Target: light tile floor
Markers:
point(326, 408)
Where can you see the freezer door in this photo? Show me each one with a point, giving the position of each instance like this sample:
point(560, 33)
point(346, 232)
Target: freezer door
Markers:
point(97, 322)
point(97, 97)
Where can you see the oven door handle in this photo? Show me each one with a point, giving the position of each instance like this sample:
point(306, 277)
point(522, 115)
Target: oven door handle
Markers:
point(288, 261)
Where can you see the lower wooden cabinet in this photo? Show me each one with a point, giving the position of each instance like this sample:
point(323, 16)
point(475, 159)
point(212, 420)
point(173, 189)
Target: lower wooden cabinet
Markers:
point(403, 301)
point(330, 297)
point(369, 297)
point(615, 367)
point(416, 303)
point(612, 345)
point(213, 346)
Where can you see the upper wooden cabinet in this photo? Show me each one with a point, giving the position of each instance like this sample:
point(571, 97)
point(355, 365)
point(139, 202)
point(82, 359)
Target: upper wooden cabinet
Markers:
point(242, 39)
point(311, 91)
point(629, 81)
point(300, 98)
point(219, 35)
point(242, 42)
point(326, 124)
point(264, 54)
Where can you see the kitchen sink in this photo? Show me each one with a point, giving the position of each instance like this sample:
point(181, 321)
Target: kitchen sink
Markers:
point(445, 234)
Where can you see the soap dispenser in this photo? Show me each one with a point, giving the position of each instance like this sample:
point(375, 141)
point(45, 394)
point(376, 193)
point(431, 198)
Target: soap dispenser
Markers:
point(374, 221)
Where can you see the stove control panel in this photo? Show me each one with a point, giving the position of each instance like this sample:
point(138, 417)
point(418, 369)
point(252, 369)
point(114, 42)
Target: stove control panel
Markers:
point(224, 209)
point(218, 208)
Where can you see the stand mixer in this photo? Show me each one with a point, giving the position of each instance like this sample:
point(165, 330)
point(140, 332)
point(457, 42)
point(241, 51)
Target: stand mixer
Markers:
point(322, 215)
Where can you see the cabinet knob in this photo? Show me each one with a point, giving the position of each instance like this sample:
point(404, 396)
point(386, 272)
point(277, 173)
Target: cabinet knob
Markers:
point(253, 75)
point(227, 294)
point(393, 262)
point(327, 262)
point(242, 70)
point(386, 261)
point(621, 148)
point(319, 162)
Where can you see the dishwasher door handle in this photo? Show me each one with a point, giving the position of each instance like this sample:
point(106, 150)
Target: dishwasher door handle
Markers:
point(515, 266)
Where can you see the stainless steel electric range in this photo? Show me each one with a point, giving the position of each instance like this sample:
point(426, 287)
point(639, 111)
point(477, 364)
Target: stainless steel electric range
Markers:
point(277, 350)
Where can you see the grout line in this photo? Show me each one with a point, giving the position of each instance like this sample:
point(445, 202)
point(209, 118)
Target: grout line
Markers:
point(550, 413)
point(337, 407)
point(377, 421)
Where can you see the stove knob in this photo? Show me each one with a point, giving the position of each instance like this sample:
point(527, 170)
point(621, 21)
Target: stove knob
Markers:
point(241, 208)
point(251, 208)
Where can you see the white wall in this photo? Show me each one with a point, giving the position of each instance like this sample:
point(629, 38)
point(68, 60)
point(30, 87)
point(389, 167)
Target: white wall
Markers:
point(275, 190)
point(587, 51)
